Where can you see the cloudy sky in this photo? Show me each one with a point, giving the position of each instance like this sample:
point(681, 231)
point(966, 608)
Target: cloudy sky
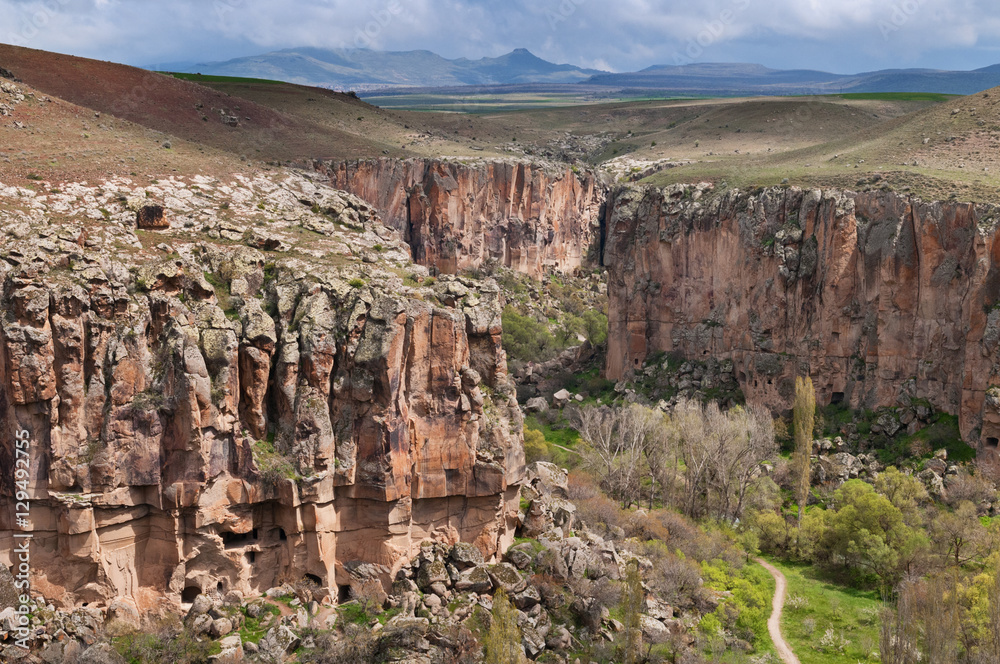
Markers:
point(842, 36)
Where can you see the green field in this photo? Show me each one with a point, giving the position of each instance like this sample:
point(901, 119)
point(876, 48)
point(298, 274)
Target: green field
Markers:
point(851, 615)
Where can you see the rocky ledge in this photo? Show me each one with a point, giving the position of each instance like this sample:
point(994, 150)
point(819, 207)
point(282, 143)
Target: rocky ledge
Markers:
point(265, 389)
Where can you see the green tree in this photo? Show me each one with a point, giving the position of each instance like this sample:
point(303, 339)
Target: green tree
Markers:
point(502, 644)
point(867, 534)
point(633, 599)
point(803, 418)
point(904, 491)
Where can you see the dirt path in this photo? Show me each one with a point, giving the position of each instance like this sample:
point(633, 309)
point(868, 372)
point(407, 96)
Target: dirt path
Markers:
point(774, 622)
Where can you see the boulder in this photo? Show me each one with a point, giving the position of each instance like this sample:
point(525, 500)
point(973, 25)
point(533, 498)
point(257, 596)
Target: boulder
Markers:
point(464, 554)
point(232, 651)
point(533, 642)
point(506, 577)
point(536, 405)
point(527, 598)
point(519, 558)
point(474, 580)
point(101, 653)
point(279, 641)
point(561, 398)
point(151, 217)
point(432, 571)
point(653, 630)
point(559, 638)
point(124, 610)
point(221, 627)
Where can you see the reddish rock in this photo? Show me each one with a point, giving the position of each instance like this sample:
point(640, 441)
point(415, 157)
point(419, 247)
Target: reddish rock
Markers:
point(151, 217)
point(152, 408)
point(874, 295)
point(457, 216)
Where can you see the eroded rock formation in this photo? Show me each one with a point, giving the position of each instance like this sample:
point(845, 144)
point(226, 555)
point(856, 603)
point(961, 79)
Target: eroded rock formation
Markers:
point(208, 416)
point(455, 216)
point(880, 297)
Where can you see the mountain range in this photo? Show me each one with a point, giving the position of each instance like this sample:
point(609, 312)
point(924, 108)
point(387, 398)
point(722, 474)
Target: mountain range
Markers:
point(368, 70)
point(364, 69)
point(725, 78)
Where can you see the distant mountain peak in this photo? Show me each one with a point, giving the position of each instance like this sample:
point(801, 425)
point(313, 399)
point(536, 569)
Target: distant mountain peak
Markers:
point(360, 68)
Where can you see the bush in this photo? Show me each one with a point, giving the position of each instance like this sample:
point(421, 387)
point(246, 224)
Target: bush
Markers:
point(526, 339)
point(273, 466)
point(356, 644)
point(166, 641)
point(535, 447)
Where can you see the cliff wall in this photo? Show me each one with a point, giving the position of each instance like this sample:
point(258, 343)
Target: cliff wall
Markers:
point(206, 415)
point(881, 298)
point(455, 216)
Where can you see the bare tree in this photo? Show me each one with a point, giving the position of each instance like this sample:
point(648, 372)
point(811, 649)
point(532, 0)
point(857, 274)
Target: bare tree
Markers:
point(722, 453)
point(616, 440)
point(689, 434)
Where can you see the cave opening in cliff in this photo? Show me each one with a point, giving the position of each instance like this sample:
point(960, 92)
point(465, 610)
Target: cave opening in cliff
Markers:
point(315, 579)
point(837, 397)
point(189, 594)
point(993, 442)
point(281, 534)
point(343, 593)
point(235, 540)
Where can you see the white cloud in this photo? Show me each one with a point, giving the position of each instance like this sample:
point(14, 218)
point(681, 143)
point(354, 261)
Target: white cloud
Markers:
point(840, 35)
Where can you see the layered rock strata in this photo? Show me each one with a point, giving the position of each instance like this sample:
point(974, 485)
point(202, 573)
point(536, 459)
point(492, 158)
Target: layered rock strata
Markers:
point(457, 216)
point(881, 298)
point(207, 416)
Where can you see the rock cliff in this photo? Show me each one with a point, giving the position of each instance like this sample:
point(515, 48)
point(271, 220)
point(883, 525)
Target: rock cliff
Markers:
point(882, 298)
point(252, 396)
point(455, 216)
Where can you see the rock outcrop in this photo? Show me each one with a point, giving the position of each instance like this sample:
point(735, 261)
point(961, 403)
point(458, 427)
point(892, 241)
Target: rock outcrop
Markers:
point(456, 216)
point(205, 416)
point(882, 298)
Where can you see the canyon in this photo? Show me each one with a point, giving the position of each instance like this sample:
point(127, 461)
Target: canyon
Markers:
point(270, 389)
point(883, 299)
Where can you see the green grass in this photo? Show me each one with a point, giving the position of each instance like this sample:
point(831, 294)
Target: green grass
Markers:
point(850, 613)
point(944, 433)
point(254, 629)
point(899, 96)
point(200, 78)
point(352, 612)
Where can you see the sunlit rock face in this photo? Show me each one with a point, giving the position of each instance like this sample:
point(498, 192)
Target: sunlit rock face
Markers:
point(456, 216)
point(208, 415)
point(883, 299)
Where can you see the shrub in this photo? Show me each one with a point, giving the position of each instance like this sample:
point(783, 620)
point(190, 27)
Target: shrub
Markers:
point(502, 643)
point(535, 447)
point(273, 466)
point(831, 642)
point(526, 339)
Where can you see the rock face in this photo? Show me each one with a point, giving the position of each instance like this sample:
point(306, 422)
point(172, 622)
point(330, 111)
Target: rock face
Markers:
point(880, 298)
point(457, 216)
point(216, 418)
